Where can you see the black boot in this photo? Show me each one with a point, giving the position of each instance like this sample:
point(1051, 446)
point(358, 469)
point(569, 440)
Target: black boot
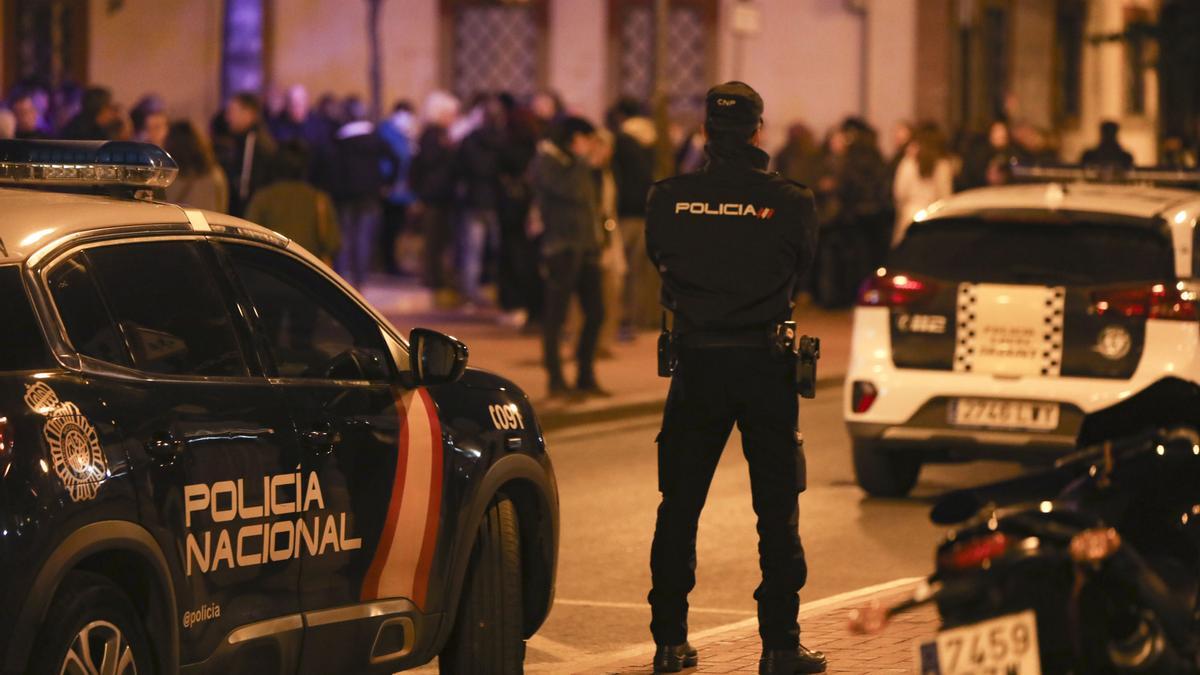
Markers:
point(791, 661)
point(674, 658)
point(557, 388)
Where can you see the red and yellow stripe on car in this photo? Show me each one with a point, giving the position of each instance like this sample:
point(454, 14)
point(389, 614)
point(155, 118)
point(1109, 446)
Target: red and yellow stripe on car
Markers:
point(400, 568)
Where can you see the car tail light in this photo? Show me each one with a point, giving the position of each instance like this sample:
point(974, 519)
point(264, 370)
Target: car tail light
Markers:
point(1157, 301)
point(893, 290)
point(5, 438)
point(976, 552)
point(862, 396)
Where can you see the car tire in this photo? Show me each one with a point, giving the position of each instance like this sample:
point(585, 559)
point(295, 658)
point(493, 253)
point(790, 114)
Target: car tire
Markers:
point(487, 632)
point(88, 617)
point(884, 474)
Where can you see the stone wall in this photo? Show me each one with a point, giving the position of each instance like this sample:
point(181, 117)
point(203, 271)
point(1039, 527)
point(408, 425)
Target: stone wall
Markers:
point(168, 47)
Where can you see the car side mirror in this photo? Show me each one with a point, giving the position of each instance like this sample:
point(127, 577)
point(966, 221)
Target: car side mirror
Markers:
point(435, 358)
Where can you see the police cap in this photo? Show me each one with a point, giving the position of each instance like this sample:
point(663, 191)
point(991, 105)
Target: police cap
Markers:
point(733, 107)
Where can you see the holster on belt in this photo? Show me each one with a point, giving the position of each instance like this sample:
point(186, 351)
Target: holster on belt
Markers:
point(807, 354)
point(806, 351)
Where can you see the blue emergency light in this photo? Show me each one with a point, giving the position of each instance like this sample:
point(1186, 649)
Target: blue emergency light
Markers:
point(82, 164)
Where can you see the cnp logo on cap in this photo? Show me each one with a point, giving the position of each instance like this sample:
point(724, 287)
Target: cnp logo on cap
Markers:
point(732, 106)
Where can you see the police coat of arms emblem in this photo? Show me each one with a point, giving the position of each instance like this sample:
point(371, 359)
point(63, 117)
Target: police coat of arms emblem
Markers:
point(74, 445)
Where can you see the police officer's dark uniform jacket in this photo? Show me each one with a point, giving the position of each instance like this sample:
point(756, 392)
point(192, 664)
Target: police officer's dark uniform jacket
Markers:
point(730, 242)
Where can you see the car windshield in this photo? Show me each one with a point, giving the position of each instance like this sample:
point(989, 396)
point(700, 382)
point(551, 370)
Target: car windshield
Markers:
point(1023, 251)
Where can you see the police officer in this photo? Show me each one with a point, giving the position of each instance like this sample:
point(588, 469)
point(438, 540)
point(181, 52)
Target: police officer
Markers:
point(730, 242)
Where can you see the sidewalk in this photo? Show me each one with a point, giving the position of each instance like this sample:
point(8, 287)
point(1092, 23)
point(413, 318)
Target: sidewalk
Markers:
point(629, 372)
point(824, 627)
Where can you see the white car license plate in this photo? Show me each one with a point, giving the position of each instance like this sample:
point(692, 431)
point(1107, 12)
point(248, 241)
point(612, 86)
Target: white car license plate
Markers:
point(998, 413)
point(1003, 646)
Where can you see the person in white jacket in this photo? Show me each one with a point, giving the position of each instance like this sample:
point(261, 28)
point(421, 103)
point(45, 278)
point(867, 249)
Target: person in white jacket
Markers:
point(924, 176)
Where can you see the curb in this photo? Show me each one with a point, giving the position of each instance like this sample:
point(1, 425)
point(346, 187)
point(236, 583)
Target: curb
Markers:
point(632, 656)
point(559, 419)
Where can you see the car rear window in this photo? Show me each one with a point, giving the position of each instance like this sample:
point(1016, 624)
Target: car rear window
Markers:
point(24, 347)
point(1022, 252)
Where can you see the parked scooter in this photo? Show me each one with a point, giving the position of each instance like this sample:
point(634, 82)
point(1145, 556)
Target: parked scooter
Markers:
point(1090, 567)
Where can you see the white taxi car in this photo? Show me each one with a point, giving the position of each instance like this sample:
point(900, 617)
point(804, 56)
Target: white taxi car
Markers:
point(1007, 314)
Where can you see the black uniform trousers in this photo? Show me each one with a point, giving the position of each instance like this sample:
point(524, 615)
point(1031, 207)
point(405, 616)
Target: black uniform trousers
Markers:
point(712, 389)
point(570, 274)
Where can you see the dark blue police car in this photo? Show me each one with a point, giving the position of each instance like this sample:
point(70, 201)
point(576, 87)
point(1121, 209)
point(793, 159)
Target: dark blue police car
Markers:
point(215, 456)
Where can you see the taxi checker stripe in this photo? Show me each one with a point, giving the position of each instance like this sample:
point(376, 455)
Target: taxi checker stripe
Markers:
point(402, 561)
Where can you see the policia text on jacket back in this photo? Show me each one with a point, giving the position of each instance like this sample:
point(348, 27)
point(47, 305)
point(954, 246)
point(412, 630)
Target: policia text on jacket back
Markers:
point(730, 242)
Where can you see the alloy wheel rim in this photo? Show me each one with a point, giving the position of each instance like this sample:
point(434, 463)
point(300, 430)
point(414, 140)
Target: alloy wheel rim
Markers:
point(99, 648)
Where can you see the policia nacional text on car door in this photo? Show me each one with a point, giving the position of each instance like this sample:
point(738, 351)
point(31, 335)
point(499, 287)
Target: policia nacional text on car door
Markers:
point(330, 362)
point(210, 438)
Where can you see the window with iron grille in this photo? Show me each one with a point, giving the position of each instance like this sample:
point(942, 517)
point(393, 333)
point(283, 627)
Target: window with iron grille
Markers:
point(495, 46)
point(691, 49)
point(44, 43)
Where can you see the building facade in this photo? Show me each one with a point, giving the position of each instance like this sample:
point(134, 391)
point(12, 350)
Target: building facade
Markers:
point(1058, 65)
point(1055, 64)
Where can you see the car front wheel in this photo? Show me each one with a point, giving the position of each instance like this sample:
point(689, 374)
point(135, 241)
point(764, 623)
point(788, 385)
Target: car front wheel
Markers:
point(92, 628)
point(882, 473)
point(487, 631)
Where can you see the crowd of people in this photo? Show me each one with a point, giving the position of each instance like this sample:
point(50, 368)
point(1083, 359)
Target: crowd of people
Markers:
point(866, 200)
point(518, 203)
point(516, 196)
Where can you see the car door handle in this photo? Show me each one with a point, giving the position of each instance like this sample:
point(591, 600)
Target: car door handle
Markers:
point(318, 436)
point(164, 446)
point(322, 437)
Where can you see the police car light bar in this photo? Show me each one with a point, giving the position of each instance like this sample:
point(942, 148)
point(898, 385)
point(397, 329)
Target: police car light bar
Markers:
point(1100, 173)
point(85, 164)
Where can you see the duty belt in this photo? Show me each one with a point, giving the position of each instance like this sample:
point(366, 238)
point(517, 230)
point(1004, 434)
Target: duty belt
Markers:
point(781, 338)
point(710, 339)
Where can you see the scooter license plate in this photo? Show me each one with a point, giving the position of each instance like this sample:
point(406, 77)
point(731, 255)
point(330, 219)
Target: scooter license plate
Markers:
point(1006, 645)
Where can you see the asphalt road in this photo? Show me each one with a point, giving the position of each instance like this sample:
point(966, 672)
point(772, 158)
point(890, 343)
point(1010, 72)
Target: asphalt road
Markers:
point(607, 485)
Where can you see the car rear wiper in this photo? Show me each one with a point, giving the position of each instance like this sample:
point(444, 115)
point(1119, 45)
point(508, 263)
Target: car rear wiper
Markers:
point(1026, 273)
